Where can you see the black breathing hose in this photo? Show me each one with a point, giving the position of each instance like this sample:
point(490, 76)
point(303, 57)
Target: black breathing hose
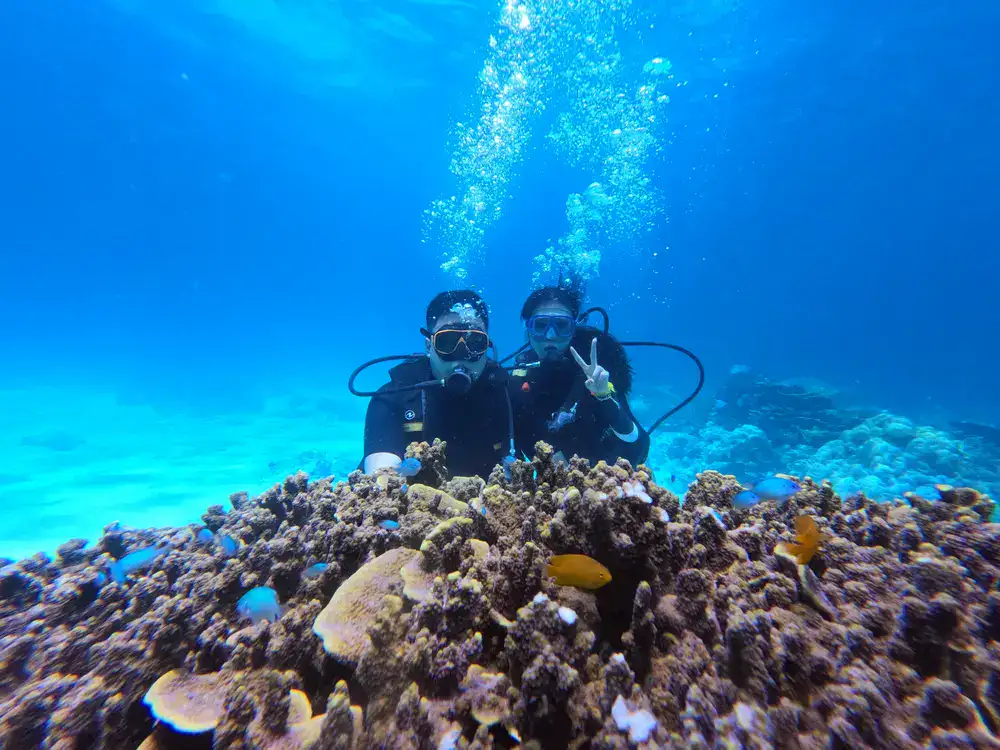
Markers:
point(694, 393)
point(391, 357)
point(604, 314)
point(513, 354)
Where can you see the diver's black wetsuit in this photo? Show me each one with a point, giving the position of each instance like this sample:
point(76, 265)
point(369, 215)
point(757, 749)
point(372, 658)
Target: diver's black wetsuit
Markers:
point(539, 392)
point(475, 424)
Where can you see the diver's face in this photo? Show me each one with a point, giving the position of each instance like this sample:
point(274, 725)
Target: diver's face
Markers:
point(444, 365)
point(548, 330)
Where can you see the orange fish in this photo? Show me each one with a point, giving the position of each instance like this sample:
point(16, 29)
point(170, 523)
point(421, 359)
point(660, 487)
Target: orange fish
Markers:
point(578, 570)
point(806, 543)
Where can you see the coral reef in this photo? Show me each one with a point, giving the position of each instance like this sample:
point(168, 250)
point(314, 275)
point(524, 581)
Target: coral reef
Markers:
point(789, 413)
point(819, 622)
point(758, 426)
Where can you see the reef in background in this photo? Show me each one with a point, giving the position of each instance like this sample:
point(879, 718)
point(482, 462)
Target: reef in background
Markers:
point(758, 426)
point(440, 629)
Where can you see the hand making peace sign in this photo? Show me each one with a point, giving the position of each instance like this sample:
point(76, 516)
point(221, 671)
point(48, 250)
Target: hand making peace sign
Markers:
point(597, 381)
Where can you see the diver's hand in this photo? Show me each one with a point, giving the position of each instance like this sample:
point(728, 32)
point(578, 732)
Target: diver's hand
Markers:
point(598, 380)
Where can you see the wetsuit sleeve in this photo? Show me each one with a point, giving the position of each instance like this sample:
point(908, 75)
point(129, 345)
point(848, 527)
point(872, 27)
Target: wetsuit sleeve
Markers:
point(624, 436)
point(383, 426)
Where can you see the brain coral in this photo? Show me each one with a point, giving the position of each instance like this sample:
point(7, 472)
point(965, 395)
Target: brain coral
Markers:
point(344, 622)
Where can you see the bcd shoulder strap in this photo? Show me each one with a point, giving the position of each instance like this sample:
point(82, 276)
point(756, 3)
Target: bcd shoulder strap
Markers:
point(413, 405)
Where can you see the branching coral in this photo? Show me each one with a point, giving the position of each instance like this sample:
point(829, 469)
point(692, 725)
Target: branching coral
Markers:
point(446, 632)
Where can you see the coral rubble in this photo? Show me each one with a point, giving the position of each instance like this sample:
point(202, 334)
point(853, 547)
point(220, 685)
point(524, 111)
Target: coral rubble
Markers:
point(820, 622)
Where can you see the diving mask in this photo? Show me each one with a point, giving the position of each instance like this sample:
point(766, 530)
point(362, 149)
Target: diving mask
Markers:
point(447, 342)
point(561, 326)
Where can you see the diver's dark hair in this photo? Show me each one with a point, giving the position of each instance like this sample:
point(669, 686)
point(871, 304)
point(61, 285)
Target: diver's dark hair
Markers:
point(569, 296)
point(443, 303)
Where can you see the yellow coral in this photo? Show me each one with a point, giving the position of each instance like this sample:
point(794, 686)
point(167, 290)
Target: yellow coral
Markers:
point(480, 549)
point(299, 710)
point(189, 703)
point(422, 497)
point(194, 703)
point(486, 695)
point(417, 580)
point(343, 623)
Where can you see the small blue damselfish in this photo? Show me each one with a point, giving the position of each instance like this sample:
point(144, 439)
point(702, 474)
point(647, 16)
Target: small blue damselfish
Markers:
point(260, 604)
point(776, 488)
point(389, 525)
point(205, 536)
point(134, 561)
point(315, 571)
point(228, 544)
point(409, 467)
point(745, 499)
point(772, 488)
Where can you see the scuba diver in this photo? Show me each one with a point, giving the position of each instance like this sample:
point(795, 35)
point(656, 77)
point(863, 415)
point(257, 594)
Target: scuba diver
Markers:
point(453, 392)
point(571, 384)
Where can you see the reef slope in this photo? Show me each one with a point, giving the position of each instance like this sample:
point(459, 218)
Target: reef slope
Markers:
point(444, 630)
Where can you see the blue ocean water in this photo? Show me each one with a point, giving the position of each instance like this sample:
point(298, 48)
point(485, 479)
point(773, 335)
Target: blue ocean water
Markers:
point(212, 211)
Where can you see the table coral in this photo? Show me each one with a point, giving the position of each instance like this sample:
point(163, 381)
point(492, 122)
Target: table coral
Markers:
point(446, 632)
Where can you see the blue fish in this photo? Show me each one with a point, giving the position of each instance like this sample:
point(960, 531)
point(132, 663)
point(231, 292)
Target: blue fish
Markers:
point(409, 467)
point(746, 499)
point(403, 489)
point(259, 604)
point(205, 536)
point(315, 571)
point(228, 544)
point(776, 488)
point(134, 561)
point(389, 524)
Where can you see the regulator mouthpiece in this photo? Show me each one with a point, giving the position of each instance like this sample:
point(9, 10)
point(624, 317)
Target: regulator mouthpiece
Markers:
point(459, 381)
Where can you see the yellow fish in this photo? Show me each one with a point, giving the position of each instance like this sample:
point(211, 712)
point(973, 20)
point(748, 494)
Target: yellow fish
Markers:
point(578, 570)
point(807, 541)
